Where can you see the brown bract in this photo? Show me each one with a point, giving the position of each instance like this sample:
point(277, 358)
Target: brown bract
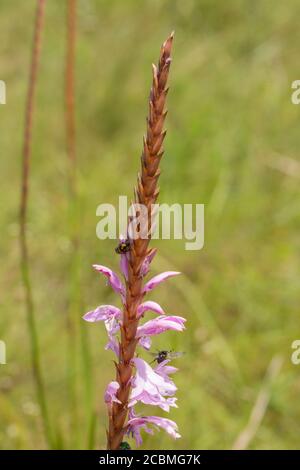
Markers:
point(146, 193)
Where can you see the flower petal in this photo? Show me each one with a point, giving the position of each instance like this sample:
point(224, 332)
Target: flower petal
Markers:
point(163, 369)
point(112, 326)
point(113, 345)
point(124, 265)
point(151, 388)
point(113, 279)
point(160, 325)
point(147, 261)
point(110, 393)
point(145, 342)
point(102, 313)
point(155, 400)
point(156, 280)
point(134, 425)
point(149, 305)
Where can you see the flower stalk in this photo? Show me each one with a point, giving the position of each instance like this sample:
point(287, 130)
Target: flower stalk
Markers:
point(136, 381)
point(146, 193)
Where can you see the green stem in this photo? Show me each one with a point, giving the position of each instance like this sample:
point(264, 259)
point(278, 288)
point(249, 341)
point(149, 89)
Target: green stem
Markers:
point(35, 350)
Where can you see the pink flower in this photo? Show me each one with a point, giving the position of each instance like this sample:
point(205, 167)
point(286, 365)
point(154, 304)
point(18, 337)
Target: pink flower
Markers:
point(136, 423)
point(149, 305)
point(110, 393)
point(111, 316)
point(112, 326)
point(156, 280)
point(124, 265)
point(156, 400)
point(113, 279)
point(151, 388)
point(113, 345)
point(145, 342)
point(102, 313)
point(147, 261)
point(164, 370)
point(160, 325)
point(156, 326)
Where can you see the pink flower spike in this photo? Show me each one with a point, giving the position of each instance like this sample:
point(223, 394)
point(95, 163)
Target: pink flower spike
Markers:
point(102, 313)
point(135, 424)
point(110, 393)
point(149, 305)
point(113, 279)
point(156, 280)
point(160, 325)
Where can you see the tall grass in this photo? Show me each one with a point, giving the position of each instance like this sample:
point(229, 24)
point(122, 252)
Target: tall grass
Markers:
point(72, 322)
point(25, 259)
point(78, 345)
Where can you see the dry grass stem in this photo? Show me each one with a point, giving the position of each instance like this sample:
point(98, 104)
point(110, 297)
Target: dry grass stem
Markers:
point(260, 407)
point(25, 262)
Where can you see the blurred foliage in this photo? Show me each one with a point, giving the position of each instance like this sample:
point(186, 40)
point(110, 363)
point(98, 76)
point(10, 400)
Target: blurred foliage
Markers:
point(232, 130)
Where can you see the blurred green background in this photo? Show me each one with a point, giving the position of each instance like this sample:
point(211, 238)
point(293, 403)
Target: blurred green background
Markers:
point(232, 144)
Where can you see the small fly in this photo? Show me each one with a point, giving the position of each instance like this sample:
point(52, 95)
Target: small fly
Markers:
point(123, 247)
point(164, 355)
